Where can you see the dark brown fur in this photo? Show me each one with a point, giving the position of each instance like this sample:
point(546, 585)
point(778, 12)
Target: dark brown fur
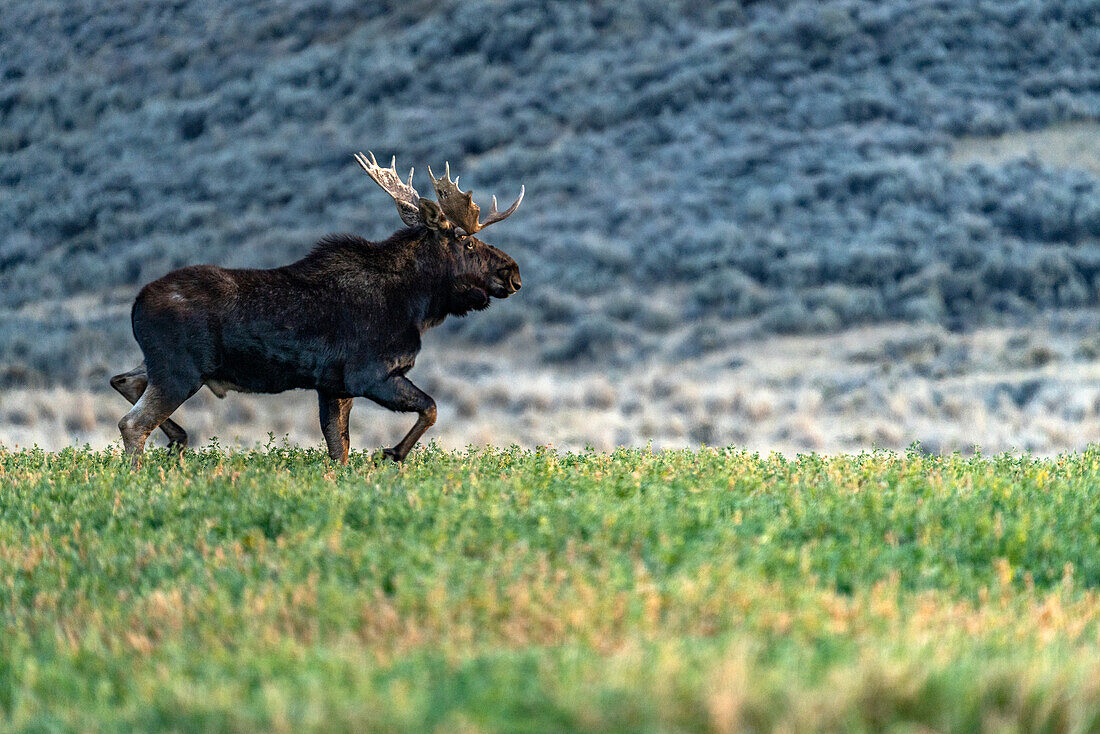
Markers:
point(346, 321)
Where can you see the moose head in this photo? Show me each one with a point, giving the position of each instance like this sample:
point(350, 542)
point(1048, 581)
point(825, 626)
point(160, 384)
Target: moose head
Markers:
point(452, 223)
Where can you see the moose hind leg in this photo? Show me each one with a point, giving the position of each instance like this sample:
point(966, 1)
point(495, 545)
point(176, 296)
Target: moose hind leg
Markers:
point(398, 393)
point(334, 425)
point(131, 385)
point(151, 410)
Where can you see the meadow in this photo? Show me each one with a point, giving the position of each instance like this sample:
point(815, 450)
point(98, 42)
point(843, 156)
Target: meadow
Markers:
point(517, 590)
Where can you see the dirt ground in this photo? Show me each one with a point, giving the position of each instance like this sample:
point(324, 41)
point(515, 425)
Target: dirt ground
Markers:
point(1034, 389)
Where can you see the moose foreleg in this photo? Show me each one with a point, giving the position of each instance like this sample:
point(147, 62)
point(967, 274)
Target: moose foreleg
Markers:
point(398, 393)
point(334, 425)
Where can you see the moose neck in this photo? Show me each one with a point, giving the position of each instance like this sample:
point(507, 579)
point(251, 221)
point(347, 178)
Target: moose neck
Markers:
point(432, 276)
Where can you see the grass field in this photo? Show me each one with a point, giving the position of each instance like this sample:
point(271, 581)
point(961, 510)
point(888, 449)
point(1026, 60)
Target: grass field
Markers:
point(514, 590)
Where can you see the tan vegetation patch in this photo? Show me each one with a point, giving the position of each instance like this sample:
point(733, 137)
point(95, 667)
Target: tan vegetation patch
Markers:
point(1065, 145)
point(1035, 389)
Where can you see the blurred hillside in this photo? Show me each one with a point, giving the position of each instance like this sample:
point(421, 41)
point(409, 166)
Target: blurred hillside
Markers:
point(783, 162)
point(789, 168)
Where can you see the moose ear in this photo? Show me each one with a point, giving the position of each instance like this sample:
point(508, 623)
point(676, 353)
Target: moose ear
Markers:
point(432, 216)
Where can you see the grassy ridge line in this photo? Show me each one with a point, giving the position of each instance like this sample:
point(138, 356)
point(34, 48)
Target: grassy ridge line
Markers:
point(495, 590)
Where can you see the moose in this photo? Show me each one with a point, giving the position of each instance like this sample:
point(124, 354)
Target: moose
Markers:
point(346, 320)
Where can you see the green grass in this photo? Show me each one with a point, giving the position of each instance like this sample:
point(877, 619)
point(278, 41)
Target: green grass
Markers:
point(535, 591)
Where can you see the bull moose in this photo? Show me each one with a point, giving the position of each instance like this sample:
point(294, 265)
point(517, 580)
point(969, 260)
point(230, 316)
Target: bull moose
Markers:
point(345, 320)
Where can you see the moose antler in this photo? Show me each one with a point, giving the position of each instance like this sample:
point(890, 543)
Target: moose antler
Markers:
point(459, 206)
point(404, 195)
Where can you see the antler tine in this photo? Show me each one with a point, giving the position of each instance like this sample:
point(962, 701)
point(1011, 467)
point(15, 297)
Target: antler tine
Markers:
point(494, 216)
point(404, 195)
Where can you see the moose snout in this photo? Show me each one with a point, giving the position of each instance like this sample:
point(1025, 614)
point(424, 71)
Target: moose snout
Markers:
point(510, 276)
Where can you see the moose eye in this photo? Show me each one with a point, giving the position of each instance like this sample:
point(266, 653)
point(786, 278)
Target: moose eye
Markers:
point(469, 245)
